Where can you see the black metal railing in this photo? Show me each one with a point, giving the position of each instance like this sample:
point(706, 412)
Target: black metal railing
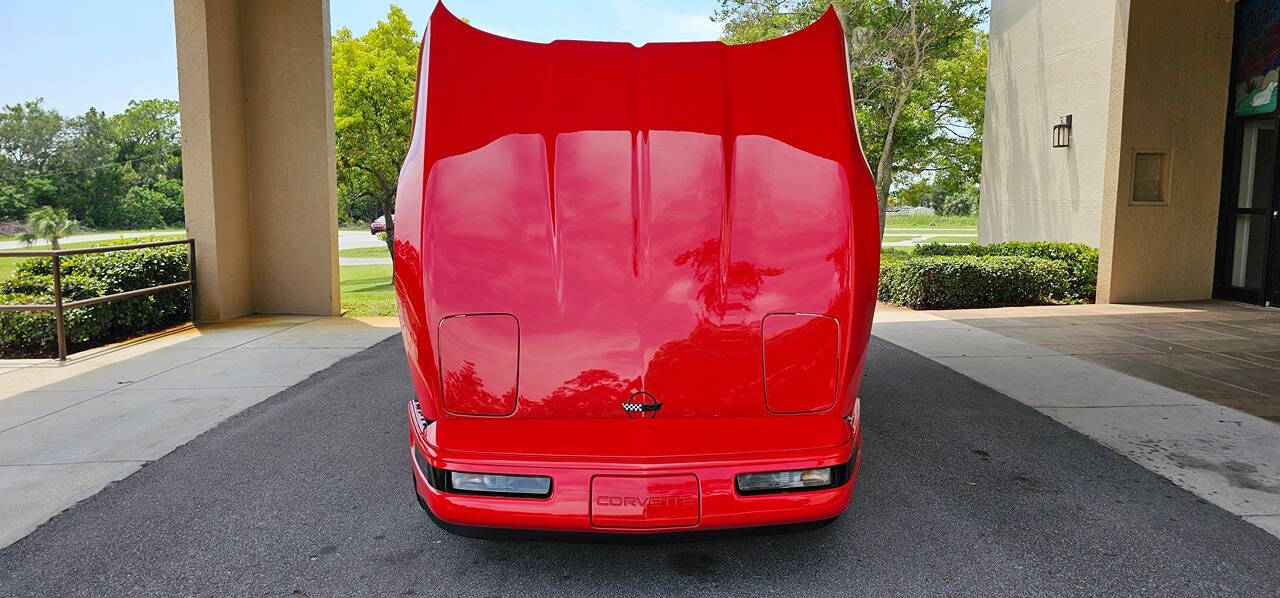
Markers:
point(59, 307)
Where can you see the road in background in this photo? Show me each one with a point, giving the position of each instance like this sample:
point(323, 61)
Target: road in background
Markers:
point(352, 239)
point(92, 237)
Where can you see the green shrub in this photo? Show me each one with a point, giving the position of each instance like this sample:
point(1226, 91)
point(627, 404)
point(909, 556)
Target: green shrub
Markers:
point(143, 207)
point(954, 282)
point(32, 334)
point(14, 204)
point(1080, 260)
point(889, 255)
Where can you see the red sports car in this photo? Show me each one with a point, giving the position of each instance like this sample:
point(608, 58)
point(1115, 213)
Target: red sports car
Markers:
point(635, 283)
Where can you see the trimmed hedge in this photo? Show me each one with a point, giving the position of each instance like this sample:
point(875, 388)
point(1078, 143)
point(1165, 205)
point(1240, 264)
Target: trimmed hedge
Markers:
point(893, 255)
point(33, 334)
point(1080, 260)
point(954, 282)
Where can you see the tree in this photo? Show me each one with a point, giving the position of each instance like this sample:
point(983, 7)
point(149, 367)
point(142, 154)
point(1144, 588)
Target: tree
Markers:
point(47, 224)
point(373, 87)
point(148, 138)
point(90, 165)
point(913, 65)
point(88, 180)
point(30, 137)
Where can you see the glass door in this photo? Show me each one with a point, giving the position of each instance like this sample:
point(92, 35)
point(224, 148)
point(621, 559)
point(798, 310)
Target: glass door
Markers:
point(1248, 214)
point(1272, 296)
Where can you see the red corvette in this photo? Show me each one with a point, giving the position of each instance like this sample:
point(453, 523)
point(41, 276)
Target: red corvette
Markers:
point(635, 283)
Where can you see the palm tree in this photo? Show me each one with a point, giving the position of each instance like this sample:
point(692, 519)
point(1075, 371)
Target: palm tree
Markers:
point(47, 224)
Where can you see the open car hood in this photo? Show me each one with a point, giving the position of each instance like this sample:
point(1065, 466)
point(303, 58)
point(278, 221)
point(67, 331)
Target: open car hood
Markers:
point(578, 222)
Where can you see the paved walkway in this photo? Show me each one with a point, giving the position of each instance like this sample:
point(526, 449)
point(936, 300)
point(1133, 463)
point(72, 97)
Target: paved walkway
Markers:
point(1228, 353)
point(920, 237)
point(353, 239)
point(963, 491)
point(1227, 457)
point(69, 429)
point(364, 261)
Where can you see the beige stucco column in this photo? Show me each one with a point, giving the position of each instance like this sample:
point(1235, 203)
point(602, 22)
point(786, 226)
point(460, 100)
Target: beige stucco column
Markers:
point(256, 91)
point(1168, 99)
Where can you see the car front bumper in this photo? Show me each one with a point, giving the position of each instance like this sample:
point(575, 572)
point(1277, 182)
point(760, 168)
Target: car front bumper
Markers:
point(582, 488)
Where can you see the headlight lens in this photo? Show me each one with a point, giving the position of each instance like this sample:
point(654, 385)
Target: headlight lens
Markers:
point(783, 481)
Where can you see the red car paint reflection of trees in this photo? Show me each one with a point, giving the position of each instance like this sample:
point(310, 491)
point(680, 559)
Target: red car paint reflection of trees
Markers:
point(579, 223)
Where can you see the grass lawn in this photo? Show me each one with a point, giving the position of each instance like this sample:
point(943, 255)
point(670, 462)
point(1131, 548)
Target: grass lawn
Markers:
point(8, 264)
point(365, 252)
point(367, 291)
point(951, 229)
point(921, 220)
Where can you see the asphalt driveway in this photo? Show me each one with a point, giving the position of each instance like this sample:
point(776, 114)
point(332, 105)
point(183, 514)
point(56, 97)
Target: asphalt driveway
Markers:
point(963, 491)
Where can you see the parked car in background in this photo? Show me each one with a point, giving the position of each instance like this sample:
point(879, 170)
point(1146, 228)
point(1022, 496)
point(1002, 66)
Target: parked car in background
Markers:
point(630, 311)
point(379, 224)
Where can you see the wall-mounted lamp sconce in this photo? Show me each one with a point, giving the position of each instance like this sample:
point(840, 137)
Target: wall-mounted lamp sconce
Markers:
point(1062, 132)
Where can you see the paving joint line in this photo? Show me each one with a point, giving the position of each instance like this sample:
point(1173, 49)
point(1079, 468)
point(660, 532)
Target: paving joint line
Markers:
point(1127, 406)
point(76, 463)
point(1191, 373)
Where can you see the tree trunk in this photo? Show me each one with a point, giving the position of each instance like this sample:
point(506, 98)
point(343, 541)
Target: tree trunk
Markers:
point(388, 207)
point(884, 176)
point(884, 168)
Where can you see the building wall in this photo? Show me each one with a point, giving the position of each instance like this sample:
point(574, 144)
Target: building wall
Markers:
point(292, 163)
point(214, 167)
point(1048, 58)
point(1172, 96)
point(259, 178)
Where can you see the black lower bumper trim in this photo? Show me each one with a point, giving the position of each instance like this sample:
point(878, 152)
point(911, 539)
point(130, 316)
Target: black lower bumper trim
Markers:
point(522, 535)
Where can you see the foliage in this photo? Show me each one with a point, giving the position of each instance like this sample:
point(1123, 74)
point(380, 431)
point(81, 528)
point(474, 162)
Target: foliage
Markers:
point(919, 76)
point(32, 334)
point(91, 164)
point(964, 281)
point(945, 195)
point(1080, 261)
point(892, 255)
point(144, 207)
point(374, 76)
point(30, 135)
point(47, 224)
point(356, 209)
point(14, 203)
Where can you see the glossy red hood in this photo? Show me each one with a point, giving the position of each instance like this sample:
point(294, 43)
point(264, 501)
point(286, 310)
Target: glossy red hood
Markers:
point(614, 219)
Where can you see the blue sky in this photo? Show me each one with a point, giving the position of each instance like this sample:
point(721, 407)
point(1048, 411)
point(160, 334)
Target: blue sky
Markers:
point(82, 53)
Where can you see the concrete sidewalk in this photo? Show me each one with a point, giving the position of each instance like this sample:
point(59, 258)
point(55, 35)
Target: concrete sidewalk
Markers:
point(1227, 457)
point(364, 261)
point(69, 429)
